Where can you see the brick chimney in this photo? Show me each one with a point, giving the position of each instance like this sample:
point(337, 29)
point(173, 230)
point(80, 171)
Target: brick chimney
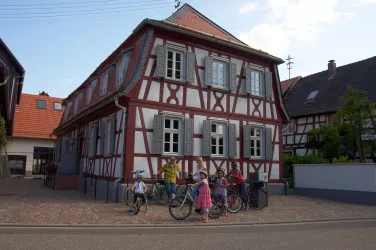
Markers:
point(332, 69)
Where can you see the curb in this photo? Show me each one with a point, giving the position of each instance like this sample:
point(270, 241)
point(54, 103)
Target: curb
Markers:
point(17, 225)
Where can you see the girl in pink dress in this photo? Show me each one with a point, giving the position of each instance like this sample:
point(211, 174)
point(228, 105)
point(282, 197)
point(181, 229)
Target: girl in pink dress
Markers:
point(203, 200)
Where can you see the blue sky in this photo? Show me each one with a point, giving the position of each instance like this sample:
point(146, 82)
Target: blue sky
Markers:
point(60, 51)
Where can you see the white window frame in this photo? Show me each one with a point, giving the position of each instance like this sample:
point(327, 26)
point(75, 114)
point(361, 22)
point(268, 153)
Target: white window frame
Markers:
point(173, 131)
point(217, 74)
point(58, 103)
point(261, 91)
point(104, 82)
point(217, 137)
point(254, 139)
point(182, 60)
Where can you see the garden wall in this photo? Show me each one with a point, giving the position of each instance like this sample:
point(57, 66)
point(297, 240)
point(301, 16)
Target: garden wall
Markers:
point(355, 183)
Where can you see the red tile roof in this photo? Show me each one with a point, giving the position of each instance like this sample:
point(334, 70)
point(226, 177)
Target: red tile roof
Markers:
point(289, 83)
point(31, 122)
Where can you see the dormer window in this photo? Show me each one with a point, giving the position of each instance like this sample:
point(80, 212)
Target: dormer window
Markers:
point(41, 104)
point(58, 106)
point(311, 96)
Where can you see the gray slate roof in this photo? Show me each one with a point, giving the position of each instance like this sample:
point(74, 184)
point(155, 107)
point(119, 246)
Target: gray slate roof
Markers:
point(361, 75)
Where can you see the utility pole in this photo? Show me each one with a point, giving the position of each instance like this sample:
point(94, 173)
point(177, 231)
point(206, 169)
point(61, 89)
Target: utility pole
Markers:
point(289, 66)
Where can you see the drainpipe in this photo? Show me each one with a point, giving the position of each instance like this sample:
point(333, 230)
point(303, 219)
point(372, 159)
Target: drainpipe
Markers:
point(122, 152)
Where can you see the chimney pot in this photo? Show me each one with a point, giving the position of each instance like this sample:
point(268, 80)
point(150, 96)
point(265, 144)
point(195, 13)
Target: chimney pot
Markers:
point(332, 69)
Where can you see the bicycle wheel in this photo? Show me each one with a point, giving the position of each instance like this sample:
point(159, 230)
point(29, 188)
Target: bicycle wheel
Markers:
point(160, 194)
point(257, 199)
point(218, 207)
point(180, 209)
point(128, 196)
point(137, 206)
point(181, 189)
point(234, 202)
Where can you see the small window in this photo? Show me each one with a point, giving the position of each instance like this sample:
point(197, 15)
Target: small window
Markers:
point(104, 82)
point(219, 74)
point(217, 139)
point(312, 96)
point(257, 83)
point(174, 65)
point(41, 104)
point(171, 137)
point(58, 106)
point(256, 143)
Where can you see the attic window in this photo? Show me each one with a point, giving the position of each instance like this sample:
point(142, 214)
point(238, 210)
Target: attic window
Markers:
point(41, 104)
point(312, 96)
point(57, 106)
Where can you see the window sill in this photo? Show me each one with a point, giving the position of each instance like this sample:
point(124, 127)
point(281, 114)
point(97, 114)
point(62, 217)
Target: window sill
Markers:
point(173, 80)
point(218, 157)
point(166, 155)
point(219, 89)
point(257, 96)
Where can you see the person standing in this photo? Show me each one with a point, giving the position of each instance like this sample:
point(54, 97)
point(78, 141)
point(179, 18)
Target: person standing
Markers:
point(240, 182)
point(201, 167)
point(204, 201)
point(170, 169)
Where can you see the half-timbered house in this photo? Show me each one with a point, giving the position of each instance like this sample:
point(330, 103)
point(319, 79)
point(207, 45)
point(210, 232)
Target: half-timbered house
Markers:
point(183, 87)
point(313, 100)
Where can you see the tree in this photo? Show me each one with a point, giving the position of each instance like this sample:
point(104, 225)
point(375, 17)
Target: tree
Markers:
point(358, 113)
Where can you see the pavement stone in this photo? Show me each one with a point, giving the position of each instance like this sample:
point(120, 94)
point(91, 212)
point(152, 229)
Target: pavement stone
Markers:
point(27, 201)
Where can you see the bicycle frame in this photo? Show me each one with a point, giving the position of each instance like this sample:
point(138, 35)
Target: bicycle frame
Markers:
point(187, 195)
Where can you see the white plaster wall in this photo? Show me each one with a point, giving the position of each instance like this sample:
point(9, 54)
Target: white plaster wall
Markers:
point(142, 90)
point(25, 146)
point(193, 102)
point(197, 147)
point(198, 121)
point(241, 106)
point(274, 174)
point(154, 92)
point(157, 41)
point(149, 117)
point(242, 87)
point(200, 56)
point(150, 65)
point(268, 112)
point(275, 112)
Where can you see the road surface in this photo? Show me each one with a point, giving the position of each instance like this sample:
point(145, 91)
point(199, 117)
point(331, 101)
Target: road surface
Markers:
point(359, 234)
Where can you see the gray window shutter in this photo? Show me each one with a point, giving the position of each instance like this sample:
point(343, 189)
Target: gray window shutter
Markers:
point(246, 141)
point(102, 137)
point(268, 84)
point(188, 132)
point(57, 152)
point(112, 134)
point(191, 62)
point(87, 141)
point(232, 74)
point(206, 138)
point(232, 140)
point(161, 61)
point(94, 140)
point(268, 144)
point(208, 71)
point(158, 134)
point(247, 79)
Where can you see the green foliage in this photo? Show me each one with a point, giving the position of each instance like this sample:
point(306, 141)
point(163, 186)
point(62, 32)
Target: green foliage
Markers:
point(342, 159)
point(3, 133)
point(291, 160)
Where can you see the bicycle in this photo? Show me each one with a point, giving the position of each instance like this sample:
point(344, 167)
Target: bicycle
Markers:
point(157, 192)
point(257, 196)
point(138, 203)
point(181, 189)
point(183, 206)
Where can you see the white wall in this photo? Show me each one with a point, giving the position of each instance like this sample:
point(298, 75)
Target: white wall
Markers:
point(354, 177)
point(25, 146)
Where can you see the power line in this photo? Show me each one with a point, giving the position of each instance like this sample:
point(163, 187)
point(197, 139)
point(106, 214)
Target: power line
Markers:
point(75, 11)
point(83, 14)
point(62, 3)
point(83, 6)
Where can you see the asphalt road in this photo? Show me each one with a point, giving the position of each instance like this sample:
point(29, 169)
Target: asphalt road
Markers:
point(321, 235)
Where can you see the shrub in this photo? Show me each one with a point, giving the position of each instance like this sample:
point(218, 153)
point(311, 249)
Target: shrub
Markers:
point(342, 159)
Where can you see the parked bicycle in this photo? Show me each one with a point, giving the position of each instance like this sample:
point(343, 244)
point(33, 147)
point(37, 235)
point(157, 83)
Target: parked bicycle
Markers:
point(157, 192)
point(257, 196)
point(180, 208)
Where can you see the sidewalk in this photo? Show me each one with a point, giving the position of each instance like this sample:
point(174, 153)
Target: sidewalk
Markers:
point(27, 201)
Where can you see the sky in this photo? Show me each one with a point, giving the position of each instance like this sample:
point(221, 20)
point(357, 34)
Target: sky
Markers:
point(61, 42)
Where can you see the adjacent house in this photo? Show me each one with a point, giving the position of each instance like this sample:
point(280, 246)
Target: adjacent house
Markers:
point(181, 87)
point(31, 146)
point(313, 100)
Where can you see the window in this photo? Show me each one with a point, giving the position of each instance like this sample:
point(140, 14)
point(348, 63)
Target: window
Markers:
point(91, 90)
point(104, 78)
point(41, 104)
point(255, 142)
point(312, 96)
point(174, 65)
point(93, 140)
point(77, 103)
point(219, 74)
point(58, 106)
point(171, 142)
point(217, 139)
point(256, 82)
point(122, 67)
point(107, 148)
point(67, 109)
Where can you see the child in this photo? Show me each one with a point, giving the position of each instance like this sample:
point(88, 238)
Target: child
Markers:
point(139, 188)
point(203, 200)
point(221, 187)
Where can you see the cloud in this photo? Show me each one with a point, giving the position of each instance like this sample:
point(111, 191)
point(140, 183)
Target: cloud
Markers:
point(286, 21)
point(248, 8)
point(367, 1)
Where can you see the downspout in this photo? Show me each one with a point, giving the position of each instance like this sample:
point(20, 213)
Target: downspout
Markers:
point(116, 98)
